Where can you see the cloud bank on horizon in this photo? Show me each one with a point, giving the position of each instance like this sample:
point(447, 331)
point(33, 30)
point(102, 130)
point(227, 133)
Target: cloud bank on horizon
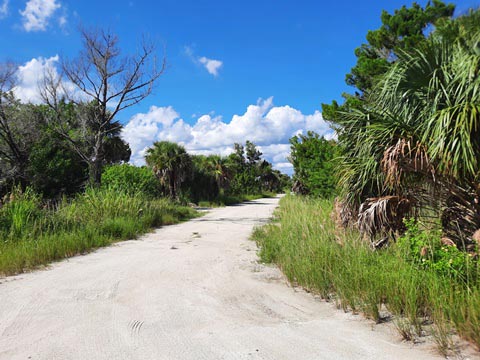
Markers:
point(268, 126)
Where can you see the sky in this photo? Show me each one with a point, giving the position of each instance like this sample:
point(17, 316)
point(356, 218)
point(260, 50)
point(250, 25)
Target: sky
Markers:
point(236, 70)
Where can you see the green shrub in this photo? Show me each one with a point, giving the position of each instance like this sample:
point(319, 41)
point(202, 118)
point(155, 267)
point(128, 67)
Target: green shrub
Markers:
point(129, 179)
point(426, 250)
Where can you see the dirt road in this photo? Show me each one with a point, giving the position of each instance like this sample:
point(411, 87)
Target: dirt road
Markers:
point(189, 291)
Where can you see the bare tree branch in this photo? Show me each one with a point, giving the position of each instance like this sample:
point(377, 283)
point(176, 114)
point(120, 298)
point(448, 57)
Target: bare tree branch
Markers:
point(103, 77)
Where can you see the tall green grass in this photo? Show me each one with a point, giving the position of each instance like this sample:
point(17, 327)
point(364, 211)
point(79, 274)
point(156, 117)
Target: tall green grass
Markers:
point(34, 234)
point(383, 285)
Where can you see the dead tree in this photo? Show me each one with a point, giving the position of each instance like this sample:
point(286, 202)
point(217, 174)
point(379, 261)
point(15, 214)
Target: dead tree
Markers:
point(100, 82)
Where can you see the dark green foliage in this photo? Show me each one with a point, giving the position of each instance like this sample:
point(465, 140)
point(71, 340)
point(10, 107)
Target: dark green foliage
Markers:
point(314, 161)
point(245, 182)
point(404, 30)
point(201, 184)
point(53, 168)
point(401, 31)
point(252, 154)
point(171, 163)
point(367, 70)
point(116, 149)
point(34, 150)
point(252, 175)
point(131, 180)
point(19, 125)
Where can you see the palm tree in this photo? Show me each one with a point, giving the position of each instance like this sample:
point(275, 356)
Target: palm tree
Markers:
point(417, 138)
point(170, 162)
point(219, 167)
point(439, 88)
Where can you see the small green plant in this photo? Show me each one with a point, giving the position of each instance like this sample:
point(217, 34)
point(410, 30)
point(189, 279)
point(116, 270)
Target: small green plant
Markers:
point(425, 249)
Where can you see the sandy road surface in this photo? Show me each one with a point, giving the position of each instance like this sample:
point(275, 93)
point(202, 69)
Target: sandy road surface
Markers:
point(189, 291)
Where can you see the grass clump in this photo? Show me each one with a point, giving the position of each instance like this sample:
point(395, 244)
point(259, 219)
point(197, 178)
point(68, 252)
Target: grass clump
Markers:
point(423, 286)
point(34, 234)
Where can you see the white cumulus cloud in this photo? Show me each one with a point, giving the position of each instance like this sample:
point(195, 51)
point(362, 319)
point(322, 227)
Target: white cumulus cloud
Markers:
point(268, 126)
point(30, 76)
point(37, 14)
point(212, 66)
point(4, 8)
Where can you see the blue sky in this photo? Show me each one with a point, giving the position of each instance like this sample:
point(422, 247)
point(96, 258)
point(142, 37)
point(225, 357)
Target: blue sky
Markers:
point(255, 70)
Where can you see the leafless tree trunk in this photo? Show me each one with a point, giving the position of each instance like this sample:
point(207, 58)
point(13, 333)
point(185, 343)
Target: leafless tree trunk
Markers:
point(109, 83)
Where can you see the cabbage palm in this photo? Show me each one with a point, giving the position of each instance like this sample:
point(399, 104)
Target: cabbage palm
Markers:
point(170, 162)
point(438, 87)
point(418, 131)
point(220, 169)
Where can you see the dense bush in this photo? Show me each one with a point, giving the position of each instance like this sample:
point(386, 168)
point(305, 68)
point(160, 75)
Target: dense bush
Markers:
point(200, 185)
point(314, 159)
point(53, 168)
point(131, 180)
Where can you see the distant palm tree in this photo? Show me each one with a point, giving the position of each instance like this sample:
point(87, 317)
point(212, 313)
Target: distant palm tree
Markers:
point(171, 163)
point(220, 169)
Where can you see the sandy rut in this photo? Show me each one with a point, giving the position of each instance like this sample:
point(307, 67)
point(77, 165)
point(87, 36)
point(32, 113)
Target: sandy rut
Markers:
point(188, 291)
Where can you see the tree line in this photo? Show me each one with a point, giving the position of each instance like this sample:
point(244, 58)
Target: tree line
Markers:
point(200, 177)
point(173, 173)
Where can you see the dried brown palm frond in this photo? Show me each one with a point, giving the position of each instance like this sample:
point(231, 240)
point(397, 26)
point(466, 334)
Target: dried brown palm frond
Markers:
point(384, 216)
point(405, 158)
point(344, 217)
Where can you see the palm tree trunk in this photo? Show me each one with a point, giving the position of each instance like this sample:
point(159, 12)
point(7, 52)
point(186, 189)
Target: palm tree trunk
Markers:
point(172, 187)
